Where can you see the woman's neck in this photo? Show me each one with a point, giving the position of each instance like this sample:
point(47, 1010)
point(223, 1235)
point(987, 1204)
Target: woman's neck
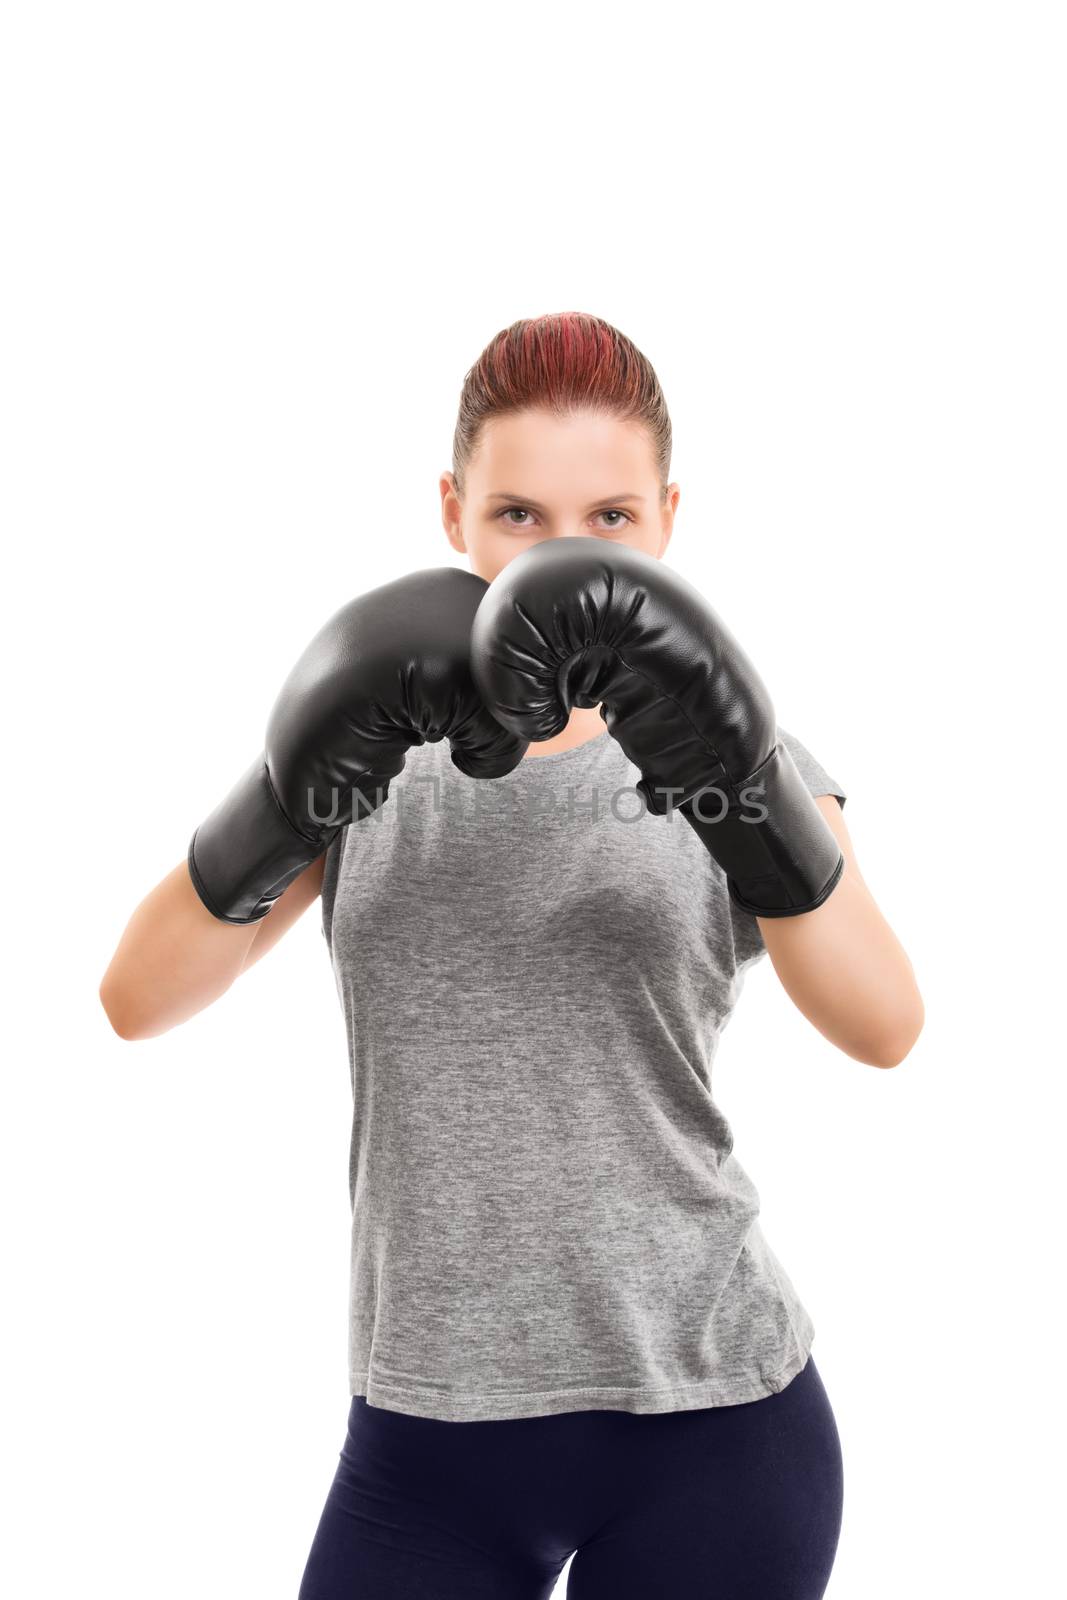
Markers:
point(584, 724)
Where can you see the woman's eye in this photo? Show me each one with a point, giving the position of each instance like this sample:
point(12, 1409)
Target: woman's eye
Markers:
point(521, 511)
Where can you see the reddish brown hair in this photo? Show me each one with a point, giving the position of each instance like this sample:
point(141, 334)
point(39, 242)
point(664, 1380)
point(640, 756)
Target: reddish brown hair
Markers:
point(561, 363)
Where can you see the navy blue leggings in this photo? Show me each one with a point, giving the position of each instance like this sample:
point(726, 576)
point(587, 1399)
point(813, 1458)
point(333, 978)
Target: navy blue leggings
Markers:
point(722, 1503)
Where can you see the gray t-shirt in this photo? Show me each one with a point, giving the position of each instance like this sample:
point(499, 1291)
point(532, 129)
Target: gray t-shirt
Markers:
point(547, 1214)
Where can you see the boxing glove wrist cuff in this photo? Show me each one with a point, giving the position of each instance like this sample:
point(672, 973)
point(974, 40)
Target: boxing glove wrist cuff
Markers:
point(246, 852)
point(777, 849)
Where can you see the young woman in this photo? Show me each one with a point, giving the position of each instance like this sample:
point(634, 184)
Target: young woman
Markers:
point(568, 1335)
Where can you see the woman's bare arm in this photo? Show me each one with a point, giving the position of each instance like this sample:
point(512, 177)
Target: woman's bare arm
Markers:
point(844, 968)
point(175, 958)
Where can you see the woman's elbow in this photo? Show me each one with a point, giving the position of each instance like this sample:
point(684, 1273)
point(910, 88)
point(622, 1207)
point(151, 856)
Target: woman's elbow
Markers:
point(119, 1012)
point(895, 1040)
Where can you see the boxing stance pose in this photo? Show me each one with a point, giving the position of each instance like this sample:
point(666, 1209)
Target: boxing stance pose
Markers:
point(569, 1340)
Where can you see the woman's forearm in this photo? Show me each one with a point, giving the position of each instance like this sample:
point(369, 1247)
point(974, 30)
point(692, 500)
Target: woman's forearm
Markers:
point(844, 968)
point(175, 958)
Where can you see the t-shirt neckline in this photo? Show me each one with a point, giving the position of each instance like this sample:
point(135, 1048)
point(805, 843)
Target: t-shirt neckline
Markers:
point(530, 762)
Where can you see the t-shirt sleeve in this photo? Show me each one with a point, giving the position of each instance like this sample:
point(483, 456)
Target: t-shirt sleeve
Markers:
point(816, 777)
point(748, 941)
point(330, 870)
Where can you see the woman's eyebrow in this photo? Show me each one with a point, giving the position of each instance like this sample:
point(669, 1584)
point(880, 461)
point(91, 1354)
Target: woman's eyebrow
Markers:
point(608, 500)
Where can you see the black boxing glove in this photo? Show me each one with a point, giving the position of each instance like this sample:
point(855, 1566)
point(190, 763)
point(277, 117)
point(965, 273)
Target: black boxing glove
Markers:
point(390, 670)
point(577, 621)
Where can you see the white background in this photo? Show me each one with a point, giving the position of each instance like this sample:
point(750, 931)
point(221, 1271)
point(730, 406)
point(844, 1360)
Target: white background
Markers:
point(250, 252)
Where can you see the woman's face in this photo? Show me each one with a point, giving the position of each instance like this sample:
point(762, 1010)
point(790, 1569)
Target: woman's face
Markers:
point(535, 476)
